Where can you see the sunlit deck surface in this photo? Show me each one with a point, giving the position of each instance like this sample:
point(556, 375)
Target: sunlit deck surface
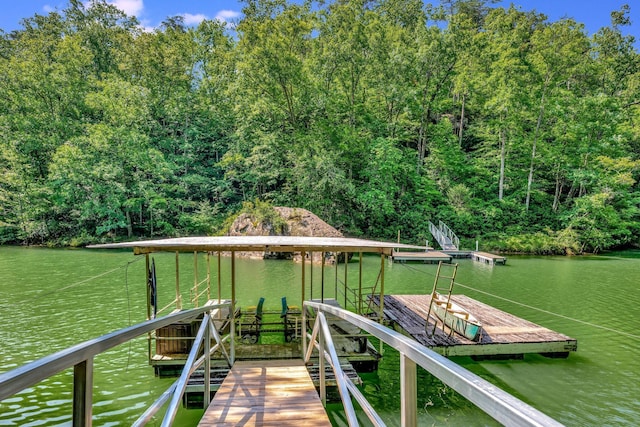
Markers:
point(266, 393)
point(258, 243)
point(430, 256)
point(503, 334)
point(488, 258)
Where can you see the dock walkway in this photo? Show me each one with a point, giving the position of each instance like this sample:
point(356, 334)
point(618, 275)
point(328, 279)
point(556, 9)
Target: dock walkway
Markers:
point(488, 258)
point(503, 334)
point(266, 393)
point(429, 256)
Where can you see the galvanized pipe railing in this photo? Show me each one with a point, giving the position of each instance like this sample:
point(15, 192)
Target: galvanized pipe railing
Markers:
point(503, 407)
point(321, 338)
point(80, 357)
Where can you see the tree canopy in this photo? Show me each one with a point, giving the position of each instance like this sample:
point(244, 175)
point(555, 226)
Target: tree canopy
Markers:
point(377, 115)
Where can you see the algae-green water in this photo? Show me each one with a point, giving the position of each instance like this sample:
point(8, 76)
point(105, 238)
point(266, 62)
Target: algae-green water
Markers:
point(52, 299)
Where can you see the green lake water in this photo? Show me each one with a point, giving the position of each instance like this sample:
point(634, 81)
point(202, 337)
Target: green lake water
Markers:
point(52, 299)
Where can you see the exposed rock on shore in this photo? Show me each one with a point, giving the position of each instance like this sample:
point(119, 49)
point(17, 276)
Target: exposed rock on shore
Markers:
point(284, 222)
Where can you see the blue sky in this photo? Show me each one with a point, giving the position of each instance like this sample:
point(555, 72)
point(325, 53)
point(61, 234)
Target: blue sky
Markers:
point(593, 13)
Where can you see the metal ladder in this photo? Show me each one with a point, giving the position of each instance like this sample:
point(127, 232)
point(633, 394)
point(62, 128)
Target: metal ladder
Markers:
point(442, 286)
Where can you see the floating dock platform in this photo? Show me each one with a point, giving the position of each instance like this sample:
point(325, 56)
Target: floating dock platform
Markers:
point(429, 256)
point(433, 257)
point(504, 335)
point(488, 258)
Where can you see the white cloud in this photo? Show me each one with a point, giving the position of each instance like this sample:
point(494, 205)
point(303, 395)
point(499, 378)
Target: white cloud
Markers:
point(190, 19)
point(130, 7)
point(226, 15)
point(47, 8)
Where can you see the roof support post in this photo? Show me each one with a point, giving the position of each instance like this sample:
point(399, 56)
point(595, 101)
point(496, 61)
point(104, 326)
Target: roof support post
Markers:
point(335, 283)
point(381, 312)
point(322, 278)
point(232, 356)
point(360, 285)
point(219, 279)
point(178, 296)
point(195, 279)
point(303, 255)
point(311, 276)
point(346, 264)
point(146, 260)
point(208, 275)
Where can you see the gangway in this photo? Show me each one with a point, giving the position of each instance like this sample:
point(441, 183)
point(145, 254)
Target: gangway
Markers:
point(266, 392)
point(445, 237)
point(497, 403)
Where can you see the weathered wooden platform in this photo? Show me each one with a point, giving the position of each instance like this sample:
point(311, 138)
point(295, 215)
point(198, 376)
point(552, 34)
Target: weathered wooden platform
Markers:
point(266, 393)
point(426, 256)
point(488, 258)
point(503, 334)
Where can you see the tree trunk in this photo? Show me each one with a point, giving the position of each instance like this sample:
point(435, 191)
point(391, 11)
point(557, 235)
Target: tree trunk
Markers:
point(558, 191)
point(503, 151)
point(533, 149)
point(129, 225)
point(464, 98)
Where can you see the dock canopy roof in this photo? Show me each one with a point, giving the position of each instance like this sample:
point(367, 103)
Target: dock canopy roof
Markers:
point(259, 243)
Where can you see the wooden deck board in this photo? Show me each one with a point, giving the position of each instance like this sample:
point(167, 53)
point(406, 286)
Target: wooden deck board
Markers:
point(503, 334)
point(266, 393)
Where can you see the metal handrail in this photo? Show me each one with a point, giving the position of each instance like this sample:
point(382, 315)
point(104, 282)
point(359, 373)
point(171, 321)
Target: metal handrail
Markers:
point(436, 232)
point(450, 234)
point(347, 389)
point(495, 402)
point(80, 357)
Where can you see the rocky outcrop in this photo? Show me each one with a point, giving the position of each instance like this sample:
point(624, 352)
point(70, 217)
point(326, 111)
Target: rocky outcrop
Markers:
point(286, 222)
point(298, 222)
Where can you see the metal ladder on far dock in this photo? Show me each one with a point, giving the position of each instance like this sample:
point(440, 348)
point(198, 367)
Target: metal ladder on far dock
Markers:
point(443, 286)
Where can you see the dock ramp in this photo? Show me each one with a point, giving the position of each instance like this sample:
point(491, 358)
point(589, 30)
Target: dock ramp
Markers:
point(256, 393)
point(445, 237)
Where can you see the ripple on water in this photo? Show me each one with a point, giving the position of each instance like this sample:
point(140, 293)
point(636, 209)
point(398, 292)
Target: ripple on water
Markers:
point(62, 420)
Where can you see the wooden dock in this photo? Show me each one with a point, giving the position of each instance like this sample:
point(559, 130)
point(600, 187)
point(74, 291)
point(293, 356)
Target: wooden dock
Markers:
point(425, 256)
point(503, 334)
point(488, 258)
point(266, 393)
point(433, 257)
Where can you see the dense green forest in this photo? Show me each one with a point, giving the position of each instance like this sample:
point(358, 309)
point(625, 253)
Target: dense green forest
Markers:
point(377, 115)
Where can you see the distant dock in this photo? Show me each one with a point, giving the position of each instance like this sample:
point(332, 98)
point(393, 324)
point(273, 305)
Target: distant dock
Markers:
point(428, 256)
point(503, 334)
point(433, 257)
point(488, 258)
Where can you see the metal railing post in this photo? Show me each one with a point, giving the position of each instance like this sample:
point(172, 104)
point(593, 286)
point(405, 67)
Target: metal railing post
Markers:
point(207, 364)
point(323, 385)
point(303, 329)
point(408, 392)
point(500, 405)
point(82, 393)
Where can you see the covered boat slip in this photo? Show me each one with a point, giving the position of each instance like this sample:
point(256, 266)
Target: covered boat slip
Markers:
point(232, 244)
point(172, 344)
point(503, 334)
